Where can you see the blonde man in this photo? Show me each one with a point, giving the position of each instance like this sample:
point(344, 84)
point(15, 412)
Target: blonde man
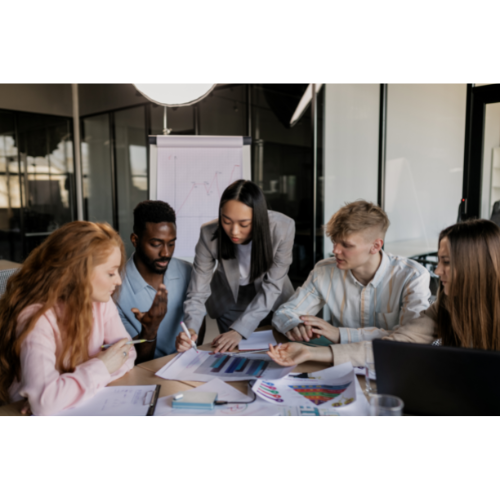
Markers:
point(367, 291)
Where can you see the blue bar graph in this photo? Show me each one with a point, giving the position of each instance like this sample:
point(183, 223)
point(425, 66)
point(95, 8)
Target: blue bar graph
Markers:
point(233, 365)
point(242, 362)
point(218, 361)
point(242, 367)
point(218, 367)
point(251, 368)
point(237, 366)
point(259, 369)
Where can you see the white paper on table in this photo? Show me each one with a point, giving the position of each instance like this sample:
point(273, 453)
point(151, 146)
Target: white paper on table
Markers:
point(307, 411)
point(225, 392)
point(331, 388)
point(359, 407)
point(190, 365)
point(258, 340)
point(131, 400)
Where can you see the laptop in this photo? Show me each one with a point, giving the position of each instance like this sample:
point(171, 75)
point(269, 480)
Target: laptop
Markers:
point(437, 380)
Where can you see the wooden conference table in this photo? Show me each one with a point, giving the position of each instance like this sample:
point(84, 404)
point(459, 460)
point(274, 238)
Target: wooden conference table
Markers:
point(144, 374)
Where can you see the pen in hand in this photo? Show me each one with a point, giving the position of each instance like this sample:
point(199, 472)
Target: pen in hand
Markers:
point(186, 331)
point(140, 341)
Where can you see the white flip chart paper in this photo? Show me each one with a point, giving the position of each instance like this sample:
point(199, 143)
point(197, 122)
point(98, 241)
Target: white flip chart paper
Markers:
point(192, 174)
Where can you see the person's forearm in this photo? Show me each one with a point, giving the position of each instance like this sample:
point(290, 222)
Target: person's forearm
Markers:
point(146, 350)
point(321, 354)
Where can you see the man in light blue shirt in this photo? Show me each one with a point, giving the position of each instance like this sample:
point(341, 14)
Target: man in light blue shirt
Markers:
point(154, 282)
point(368, 292)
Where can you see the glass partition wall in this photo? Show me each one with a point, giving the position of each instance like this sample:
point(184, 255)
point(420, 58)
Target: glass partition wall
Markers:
point(36, 180)
point(10, 191)
point(131, 167)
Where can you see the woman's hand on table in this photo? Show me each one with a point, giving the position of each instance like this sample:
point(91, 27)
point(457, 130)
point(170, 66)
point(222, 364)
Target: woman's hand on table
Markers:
point(114, 357)
point(289, 354)
point(226, 341)
point(183, 343)
point(319, 327)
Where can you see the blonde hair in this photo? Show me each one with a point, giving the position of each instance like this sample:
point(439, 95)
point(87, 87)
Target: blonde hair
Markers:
point(356, 216)
point(58, 272)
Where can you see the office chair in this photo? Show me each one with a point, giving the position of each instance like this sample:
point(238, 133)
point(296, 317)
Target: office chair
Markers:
point(495, 213)
point(4, 277)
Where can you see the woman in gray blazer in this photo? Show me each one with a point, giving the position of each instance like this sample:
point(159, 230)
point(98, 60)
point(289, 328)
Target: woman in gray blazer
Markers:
point(252, 247)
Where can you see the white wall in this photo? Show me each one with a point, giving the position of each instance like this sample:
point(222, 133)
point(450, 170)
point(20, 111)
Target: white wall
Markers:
point(424, 169)
point(350, 146)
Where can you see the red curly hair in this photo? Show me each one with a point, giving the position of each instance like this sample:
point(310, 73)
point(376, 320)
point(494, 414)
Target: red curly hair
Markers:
point(58, 272)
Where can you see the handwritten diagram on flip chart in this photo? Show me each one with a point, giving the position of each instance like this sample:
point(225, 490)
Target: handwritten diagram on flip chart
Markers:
point(192, 173)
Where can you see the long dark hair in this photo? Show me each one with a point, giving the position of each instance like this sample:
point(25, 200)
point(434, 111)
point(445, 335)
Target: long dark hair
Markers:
point(469, 316)
point(262, 249)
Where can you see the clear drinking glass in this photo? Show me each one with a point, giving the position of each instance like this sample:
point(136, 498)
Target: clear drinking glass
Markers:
point(369, 367)
point(383, 405)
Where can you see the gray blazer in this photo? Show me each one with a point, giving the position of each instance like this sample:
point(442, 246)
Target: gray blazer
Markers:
point(218, 290)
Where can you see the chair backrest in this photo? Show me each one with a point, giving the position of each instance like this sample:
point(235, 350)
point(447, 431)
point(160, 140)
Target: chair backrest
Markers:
point(4, 277)
point(495, 213)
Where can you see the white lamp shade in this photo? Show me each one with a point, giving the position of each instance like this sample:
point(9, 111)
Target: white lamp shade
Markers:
point(174, 94)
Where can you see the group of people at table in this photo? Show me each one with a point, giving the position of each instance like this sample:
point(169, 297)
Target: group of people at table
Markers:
point(77, 291)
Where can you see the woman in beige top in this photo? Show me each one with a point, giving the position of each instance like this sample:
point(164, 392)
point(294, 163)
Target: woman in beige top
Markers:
point(465, 314)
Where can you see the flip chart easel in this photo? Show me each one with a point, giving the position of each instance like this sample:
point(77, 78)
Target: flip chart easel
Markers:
point(190, 173)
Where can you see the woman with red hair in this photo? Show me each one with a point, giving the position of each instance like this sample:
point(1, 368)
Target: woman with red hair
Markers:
point(55, 316)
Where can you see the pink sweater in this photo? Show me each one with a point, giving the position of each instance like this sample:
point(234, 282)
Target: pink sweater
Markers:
point(48, 391)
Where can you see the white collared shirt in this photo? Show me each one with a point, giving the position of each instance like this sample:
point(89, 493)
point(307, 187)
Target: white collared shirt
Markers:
point(397, 294)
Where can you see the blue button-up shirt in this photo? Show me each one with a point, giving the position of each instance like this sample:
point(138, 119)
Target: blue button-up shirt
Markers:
point(135, 292)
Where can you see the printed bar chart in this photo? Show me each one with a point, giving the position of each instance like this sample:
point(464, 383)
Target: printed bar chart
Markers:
point(222, 364)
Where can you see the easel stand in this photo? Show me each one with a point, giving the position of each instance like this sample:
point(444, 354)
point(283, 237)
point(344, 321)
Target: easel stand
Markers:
point(166, 131)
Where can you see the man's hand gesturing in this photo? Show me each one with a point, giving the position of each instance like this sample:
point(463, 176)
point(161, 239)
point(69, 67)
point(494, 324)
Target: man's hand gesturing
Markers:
point(151, 319)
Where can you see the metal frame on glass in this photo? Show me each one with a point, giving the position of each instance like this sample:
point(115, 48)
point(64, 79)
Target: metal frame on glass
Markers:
point(477, 98)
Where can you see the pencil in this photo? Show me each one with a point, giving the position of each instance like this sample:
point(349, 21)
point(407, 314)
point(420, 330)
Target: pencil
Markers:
point(140, 341)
